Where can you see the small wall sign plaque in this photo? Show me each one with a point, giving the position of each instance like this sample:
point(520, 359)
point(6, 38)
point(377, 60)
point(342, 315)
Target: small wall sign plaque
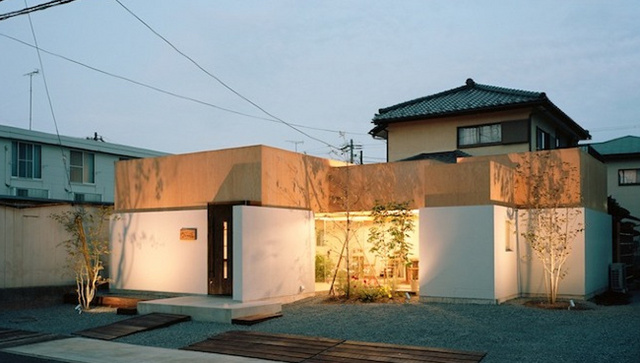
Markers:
point(188, 234)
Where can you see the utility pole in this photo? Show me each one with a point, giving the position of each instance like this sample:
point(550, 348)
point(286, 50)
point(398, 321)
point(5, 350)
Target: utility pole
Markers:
point(31, 74)
point(351, 147)
point(295, 143)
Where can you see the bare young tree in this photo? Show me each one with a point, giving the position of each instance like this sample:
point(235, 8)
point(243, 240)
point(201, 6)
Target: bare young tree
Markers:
point(551, 224)
point(86, 248)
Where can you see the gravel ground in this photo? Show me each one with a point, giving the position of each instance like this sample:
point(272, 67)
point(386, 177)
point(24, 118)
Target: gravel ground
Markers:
point(508, 333)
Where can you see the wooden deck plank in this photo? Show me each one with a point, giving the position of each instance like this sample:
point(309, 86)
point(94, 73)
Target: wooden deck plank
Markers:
point(406, 352)
point(132, 326)
point(281, 347)
point(275, 340)
point(410, 347)
point(296, 348)
point(255, 319)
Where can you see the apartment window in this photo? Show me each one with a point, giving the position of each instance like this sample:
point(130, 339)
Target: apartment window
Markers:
point(479, 135)
point(543, 140)
point(629, 177)
point(26, 160)
point(81, 167)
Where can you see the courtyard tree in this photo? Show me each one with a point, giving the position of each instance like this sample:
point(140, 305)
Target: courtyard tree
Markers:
point(87, 246)
point(549, 221)
point(389, 236)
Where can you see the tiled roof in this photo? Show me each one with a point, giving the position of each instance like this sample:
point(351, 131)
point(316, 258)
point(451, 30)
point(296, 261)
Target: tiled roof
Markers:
point(623, 145)
point(472, 96)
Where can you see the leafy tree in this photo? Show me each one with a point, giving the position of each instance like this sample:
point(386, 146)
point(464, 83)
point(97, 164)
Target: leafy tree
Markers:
point(392, 225)
point(85, 249)
point(550, 225)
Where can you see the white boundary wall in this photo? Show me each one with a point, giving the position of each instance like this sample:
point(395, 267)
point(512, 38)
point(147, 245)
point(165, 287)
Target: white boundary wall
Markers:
point(147, 253)
point(587, 265)
point(31, 253)
point(273, 252)
point(475, 254)
point(463, 255)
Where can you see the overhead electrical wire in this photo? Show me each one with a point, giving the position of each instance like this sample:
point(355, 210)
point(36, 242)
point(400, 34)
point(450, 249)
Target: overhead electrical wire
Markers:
point(46, 88)
point(223, 83)
point(166, 92)
point(28, 10)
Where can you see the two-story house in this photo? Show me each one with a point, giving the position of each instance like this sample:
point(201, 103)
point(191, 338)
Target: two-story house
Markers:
point(474, 120)
point(45, 174)
point(622, 159)
point(45, 167)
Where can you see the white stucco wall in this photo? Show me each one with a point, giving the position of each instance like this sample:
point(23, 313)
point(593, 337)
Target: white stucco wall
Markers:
point(505, 254)
point(274, 251)
point(457, 253)
point(598, 251)
point(147, 253)
point(587, 265)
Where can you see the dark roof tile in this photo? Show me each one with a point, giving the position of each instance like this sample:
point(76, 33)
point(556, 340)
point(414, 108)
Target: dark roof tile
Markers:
point(472, 96)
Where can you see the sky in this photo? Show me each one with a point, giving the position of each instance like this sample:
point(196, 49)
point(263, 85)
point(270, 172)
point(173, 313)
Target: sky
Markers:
point(327, 66)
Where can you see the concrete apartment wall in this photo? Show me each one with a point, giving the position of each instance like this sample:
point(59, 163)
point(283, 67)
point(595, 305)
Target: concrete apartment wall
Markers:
point(31, 253)
point(148, 254)
point(274, 252)
point(55, 175)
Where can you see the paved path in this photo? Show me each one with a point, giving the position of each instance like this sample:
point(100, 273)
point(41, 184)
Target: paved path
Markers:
point(83, 350)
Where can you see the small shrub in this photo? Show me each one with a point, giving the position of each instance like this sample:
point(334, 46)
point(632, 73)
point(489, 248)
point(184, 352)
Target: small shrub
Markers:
point(365, 290)
point(324, 266)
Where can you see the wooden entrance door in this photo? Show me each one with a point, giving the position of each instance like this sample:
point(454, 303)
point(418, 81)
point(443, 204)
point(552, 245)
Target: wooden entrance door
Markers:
point(220, 249)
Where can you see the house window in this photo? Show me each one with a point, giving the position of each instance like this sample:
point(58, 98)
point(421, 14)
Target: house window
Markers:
point(26, 160)
point(480, 135)
point(543, 140)
point(629, 177)
point(81, 167)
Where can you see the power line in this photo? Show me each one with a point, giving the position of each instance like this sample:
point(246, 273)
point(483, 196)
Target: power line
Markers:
point(29, 10)
point(46, 89)
point(166, 92)
point(223, 83)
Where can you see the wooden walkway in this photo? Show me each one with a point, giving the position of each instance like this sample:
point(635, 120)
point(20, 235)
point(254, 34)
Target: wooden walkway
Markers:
point(295, 348)
point(12, 337)
point(133, 325)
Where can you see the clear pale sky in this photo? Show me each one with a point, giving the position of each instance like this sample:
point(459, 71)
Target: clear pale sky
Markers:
point(323, 64)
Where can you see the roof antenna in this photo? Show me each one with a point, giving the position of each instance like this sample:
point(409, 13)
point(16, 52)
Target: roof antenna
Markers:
point(95, 137)
point(31, 74)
